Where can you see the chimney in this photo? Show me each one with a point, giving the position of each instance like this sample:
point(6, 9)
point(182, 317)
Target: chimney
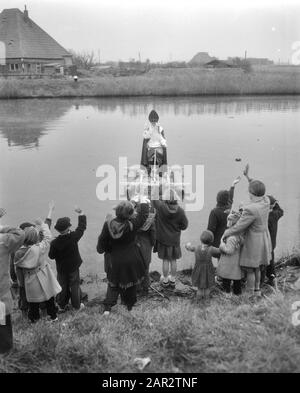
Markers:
point(26, 14)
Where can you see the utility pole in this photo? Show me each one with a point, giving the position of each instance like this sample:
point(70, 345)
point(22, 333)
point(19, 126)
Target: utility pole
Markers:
point(245, 54)
point(139, 56)
point(99, 56)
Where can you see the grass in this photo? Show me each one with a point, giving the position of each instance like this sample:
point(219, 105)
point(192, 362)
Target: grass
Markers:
point(227, 335)
point(162, 82)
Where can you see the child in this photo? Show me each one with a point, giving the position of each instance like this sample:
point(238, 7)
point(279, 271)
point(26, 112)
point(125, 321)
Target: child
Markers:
point(118, 238)
point(203, 275)
point(10, 240)
point(274, 216)
point(146, 238)
point(22, 302)
point(154, 143)
point(39, 280)
point(64, 249)
point(171, 220)
point(218, 216)
point(229, 263)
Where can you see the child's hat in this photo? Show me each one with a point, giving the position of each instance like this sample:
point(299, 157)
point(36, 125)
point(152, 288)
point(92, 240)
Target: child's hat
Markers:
point(62, 224)
point(153, 116)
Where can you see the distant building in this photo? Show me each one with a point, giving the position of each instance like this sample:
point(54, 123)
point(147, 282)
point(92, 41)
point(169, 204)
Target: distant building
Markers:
point(201, 58)
point(217, 64)
point(27, 49)
point(252, 60)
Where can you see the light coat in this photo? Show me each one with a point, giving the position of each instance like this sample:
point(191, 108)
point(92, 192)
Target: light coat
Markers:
point(229, 263)
point(253, 223)
point(10, 240)
point(39, 279)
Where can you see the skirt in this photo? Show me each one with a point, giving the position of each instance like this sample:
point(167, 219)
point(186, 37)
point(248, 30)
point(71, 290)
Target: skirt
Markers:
point(203, 275)
point(169, 253)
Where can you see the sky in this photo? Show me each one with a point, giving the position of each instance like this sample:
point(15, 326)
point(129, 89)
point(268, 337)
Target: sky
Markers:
point(165, 30)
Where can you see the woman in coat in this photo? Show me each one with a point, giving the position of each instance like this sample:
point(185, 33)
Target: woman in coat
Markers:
point(253, 223)
point(39, 280)
point(10, 240)
point(127, 267)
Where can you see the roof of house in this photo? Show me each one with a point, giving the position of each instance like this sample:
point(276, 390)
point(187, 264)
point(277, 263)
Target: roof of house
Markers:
point(25, 39)
point(220, 63)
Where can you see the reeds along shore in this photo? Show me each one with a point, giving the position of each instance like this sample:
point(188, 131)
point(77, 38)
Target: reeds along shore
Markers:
point(162, 82)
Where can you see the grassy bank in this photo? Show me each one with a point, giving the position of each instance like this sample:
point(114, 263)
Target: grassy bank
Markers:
point(162, 82)
point(227, 335)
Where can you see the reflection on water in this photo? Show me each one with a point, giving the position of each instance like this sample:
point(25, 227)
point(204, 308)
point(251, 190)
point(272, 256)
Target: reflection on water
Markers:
point(24, 122)
point(51, 149)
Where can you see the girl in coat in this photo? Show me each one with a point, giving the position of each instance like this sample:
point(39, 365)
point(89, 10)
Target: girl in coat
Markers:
point(229, 263)
point(203, 275)
point(118, 239)
point(40, 282)
point(253, 223)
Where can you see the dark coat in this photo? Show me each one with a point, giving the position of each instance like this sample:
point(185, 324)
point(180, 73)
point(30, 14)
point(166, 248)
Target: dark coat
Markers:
point(64, 249)
point(170, 221)
point(118, 239)
point(144, 158)
point(274, 217)
point(217, 221)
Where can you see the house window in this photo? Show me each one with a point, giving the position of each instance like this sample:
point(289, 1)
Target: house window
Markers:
point(14, 67)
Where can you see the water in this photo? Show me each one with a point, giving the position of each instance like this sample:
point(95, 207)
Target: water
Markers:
point(51, 149)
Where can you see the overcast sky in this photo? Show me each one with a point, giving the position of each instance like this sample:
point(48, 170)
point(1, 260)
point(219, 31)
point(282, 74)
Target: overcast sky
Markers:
point(164, 30)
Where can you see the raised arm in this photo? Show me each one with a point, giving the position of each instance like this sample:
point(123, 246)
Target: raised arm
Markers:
point(48, 219)
point(47, 236)
point(79, 231)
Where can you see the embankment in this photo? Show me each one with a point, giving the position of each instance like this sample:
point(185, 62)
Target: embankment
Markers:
point(162, 82)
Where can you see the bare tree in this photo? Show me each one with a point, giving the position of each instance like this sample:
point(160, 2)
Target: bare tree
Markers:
point(83, 59)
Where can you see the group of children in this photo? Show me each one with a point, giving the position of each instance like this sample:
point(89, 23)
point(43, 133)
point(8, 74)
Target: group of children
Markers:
point(242, 241)
point(24, 255)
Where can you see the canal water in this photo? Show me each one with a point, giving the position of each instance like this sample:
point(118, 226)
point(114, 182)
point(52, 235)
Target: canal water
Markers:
point(51, 149)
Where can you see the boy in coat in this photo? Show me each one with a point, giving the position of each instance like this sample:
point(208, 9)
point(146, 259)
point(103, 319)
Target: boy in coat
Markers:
point(64, 249)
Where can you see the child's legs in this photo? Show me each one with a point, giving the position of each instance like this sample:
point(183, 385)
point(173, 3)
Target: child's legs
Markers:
point(262, 270)
point(173, 269)
point(6, 335)
point(63, 296)
point(34, 312)
point(74, 283)
point(51, 308)
point(200, 293)
point(22, 302)
point(226, 283)
point(237, 287)
point(129, 296)
point(250, 284)
point(257, 274)
point(206, 293)
point(165, 268)
point(270, 271)
point(112, 294)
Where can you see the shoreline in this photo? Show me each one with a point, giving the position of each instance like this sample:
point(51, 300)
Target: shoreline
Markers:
point(190, 82)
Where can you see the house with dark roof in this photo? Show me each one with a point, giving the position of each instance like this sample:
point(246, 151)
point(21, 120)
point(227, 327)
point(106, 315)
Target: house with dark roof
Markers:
point(26, 49)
